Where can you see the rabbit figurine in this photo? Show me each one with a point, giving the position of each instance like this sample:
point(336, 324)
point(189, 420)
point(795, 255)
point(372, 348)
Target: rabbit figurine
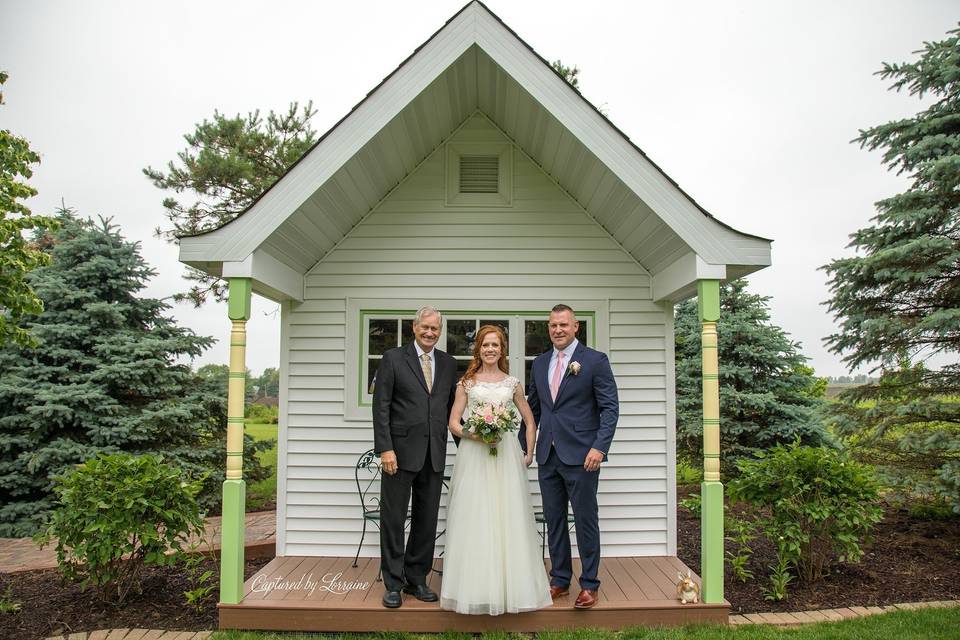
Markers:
point(687, 589)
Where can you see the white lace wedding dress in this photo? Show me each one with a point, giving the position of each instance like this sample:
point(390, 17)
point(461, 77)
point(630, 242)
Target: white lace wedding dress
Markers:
point(492, 560)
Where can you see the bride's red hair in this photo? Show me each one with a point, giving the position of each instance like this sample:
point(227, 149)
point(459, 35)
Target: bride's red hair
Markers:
point(476, 363)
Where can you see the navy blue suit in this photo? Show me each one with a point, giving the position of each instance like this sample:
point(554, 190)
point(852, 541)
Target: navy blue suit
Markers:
point(583, 417)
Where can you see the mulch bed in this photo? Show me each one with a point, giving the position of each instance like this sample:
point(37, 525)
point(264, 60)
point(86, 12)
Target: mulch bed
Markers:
point(909, 560)
point(51, 607)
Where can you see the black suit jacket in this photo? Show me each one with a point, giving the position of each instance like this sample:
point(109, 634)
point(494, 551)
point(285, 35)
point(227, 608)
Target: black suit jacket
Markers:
point(406, 418)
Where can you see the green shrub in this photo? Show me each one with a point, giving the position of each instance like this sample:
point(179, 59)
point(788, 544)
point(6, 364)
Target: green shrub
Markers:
point(202, 581)
point(688, 473)
point(116, 514)
point(816, 504)
point(261, 414)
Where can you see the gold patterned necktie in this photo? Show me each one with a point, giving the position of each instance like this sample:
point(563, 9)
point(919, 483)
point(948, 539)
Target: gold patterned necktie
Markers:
point(427, 371)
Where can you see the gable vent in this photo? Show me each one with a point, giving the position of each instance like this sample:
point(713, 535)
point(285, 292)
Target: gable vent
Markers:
point(479, 174)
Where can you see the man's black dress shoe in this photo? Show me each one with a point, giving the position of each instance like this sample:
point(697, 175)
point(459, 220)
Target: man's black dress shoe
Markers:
point(421, 592)
point(392, 599)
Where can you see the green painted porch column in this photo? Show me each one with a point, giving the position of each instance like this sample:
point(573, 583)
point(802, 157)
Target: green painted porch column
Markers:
point(232, 535)
point(711, 490)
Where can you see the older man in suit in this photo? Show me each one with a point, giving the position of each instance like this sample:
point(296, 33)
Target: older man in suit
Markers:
point(574, 400)
point(411, 403)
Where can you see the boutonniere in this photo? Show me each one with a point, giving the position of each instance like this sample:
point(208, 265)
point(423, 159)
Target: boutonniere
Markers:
point(574, 368)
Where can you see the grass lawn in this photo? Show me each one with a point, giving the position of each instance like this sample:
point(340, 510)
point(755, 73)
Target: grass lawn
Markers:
point(264, 492)
point(899, 625)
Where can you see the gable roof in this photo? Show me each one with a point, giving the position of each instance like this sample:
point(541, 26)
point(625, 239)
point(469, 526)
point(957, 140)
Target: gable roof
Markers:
point(475, 62)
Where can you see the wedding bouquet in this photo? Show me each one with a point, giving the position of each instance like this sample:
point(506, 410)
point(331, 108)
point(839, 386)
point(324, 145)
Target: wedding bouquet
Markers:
point(491, 421)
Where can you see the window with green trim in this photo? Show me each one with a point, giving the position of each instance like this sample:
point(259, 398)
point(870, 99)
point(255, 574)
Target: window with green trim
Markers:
point(526, 333)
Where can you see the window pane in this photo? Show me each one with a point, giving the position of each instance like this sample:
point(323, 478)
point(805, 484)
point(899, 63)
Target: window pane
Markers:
point(503, 324)
point(527, 380)
point(372, 364)
point(536, 339)
point(382, 335)
point(406, 332)
point(460, 334)
point(462, 367)
point(582, 332)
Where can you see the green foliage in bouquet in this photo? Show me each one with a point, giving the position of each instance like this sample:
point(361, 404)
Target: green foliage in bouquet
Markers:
point(490, 421)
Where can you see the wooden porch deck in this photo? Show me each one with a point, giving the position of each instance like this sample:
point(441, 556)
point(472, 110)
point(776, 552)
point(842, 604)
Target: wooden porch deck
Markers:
point(297, 593)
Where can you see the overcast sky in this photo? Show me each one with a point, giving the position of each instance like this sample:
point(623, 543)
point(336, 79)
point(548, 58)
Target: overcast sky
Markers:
point(749, 106)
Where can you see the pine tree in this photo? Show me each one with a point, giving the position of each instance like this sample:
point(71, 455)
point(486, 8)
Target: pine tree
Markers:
point(768, 395)
point(227, 165)
point(898, 299)
point(102, 377)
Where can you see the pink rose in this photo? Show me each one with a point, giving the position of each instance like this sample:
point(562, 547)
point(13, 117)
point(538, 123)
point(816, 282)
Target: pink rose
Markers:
point(488, 419)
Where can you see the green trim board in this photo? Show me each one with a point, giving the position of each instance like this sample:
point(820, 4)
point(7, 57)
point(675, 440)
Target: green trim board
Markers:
point(711, 541)
point(708, 300)
point(238, 301)
point(232, 537)
point(364, 314)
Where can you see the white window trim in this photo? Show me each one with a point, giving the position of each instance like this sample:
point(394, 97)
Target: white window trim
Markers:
point(517, 310)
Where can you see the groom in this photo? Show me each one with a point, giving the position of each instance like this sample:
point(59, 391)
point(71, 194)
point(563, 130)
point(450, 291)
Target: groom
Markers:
point(574, 400)
point(411, 403)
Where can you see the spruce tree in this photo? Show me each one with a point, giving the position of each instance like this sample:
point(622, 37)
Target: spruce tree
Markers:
point(897, 300)
point(104, 376)
point(768, 395)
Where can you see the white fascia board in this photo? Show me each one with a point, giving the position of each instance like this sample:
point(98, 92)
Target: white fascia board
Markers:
point(703, 234)
point(679, 281)
point(271, 278)
point(245, 234)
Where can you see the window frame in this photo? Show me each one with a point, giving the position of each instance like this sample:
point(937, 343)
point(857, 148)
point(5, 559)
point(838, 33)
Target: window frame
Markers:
point(358, 403)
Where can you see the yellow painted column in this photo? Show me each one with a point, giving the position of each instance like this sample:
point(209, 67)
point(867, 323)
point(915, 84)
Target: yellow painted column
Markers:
point(234, 488)
point(711, 490)
point(711, 402)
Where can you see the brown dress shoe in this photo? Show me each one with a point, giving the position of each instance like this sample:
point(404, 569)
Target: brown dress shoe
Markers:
point(559, 592)
point(586, 599)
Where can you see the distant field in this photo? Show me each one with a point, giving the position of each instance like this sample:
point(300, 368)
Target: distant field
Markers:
point(835, 388)
point(263, 494)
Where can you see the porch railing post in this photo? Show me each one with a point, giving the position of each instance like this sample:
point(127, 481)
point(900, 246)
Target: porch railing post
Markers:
point(711, 490)
point(232, 535)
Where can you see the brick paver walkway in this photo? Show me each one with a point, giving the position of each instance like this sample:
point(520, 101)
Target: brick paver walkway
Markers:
point(779, 619)
point(136, 634)
point(827, 615)
point(21, 554)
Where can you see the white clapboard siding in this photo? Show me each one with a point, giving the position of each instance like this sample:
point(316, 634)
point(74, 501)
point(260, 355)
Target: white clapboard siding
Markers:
point(541, 250)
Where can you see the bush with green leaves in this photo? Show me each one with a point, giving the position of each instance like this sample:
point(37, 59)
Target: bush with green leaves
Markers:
point(118, 513)
point(816, 505)
point(262, 414)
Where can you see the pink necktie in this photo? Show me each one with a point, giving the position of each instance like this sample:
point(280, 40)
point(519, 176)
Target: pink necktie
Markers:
point(557, 376)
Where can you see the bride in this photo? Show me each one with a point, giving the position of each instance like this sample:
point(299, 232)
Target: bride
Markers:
point(493, 563)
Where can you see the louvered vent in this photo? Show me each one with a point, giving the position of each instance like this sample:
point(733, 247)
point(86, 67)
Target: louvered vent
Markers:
point(479, 174)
